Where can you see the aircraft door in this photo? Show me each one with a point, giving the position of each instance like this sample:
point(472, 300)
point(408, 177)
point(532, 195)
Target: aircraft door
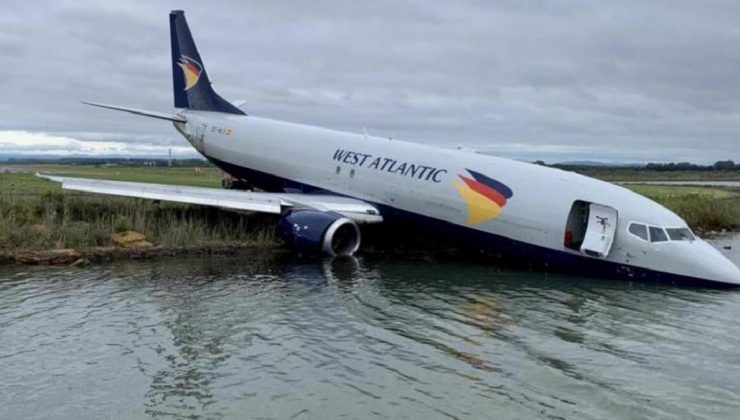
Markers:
point(600, 230)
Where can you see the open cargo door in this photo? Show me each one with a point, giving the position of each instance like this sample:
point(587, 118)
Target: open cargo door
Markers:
point(600, 231)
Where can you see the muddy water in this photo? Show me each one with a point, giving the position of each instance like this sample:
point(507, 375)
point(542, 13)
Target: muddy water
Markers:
point(274, 338)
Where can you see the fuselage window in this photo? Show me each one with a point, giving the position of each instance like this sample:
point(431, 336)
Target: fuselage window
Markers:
point(680, 234)
point(639, 230)
point(657, 234)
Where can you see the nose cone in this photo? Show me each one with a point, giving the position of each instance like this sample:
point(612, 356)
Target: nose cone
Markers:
point(715, 266)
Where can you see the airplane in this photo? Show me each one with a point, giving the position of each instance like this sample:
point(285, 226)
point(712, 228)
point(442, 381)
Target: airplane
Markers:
point(325, 183)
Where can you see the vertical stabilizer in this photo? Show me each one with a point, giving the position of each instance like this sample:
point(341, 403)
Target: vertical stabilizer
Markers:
point(192, 89)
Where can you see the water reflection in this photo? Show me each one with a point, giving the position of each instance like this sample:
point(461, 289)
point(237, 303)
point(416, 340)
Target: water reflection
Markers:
point(200, 328)
point(272, 336)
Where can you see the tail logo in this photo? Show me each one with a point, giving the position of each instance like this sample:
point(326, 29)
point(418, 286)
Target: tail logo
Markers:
point(484, 196)
point(191, 69)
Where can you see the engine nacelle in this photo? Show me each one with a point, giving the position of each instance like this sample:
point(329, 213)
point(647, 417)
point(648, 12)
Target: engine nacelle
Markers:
point(320, 232)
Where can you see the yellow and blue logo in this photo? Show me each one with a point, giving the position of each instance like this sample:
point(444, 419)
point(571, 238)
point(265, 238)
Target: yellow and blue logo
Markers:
point(484, 196)
point(191, 69)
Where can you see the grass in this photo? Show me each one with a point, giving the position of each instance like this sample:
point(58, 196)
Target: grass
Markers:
point(203, 177)
point(683, 190)
point(704, 208)
point(624, 174)
point(35, 214)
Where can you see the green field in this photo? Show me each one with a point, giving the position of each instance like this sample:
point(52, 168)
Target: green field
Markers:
point(36, 214)
point(704, 208)
point(207, 176)
point(641, 175)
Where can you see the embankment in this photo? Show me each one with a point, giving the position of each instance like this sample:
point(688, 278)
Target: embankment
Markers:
point(36, 217)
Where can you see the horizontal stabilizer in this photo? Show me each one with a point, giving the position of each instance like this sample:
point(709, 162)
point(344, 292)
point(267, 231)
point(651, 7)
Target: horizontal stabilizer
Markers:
point(152, 114)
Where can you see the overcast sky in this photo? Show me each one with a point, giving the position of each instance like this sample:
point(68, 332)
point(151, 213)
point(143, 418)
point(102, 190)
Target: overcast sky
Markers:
point(555, 80)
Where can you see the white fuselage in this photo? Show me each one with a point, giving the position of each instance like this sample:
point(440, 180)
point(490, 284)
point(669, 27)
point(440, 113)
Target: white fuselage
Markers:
point(370, 169)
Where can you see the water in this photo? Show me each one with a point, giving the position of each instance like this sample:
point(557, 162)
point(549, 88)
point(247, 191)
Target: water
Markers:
point(274, 338)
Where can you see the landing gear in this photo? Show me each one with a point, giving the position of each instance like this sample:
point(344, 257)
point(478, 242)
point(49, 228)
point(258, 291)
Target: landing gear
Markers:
point(229, 182)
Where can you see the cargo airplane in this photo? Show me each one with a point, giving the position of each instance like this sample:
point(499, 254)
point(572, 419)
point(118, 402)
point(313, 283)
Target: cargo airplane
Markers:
point(325, 183)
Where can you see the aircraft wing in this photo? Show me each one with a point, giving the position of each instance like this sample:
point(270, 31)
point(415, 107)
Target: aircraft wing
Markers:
point(357, 210)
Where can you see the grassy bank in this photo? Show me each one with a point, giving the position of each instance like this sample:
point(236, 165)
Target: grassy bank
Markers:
point(36, 215)
point(704, 208)
point(643, 175)
point(206, 176)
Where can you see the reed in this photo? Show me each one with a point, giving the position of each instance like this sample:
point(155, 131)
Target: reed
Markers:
point(55, 219)
point(704, 209)
point(36, 215)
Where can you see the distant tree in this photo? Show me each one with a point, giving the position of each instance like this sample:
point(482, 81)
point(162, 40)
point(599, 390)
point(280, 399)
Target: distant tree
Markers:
point(724, 165)
point(672, 166)
point(540, 162)
point(685, 166)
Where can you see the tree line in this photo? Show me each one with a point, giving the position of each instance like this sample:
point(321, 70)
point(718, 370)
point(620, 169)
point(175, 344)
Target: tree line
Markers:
point(111, 161)
point(720, 165)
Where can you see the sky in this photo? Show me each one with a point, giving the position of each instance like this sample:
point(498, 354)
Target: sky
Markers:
point(627, 81)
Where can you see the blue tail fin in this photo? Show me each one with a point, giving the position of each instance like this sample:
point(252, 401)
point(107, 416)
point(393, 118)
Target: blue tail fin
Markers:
point(189, 78)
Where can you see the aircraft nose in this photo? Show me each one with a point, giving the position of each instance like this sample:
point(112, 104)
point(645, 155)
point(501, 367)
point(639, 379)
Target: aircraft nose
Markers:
point(717, 266)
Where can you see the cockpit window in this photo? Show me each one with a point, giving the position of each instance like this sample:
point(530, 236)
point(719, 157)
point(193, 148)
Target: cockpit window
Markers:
point(657, 234)
point(639, 230)
point(680, 234)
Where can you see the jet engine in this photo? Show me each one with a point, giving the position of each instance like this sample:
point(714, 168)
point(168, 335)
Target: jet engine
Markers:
point(320, 232)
